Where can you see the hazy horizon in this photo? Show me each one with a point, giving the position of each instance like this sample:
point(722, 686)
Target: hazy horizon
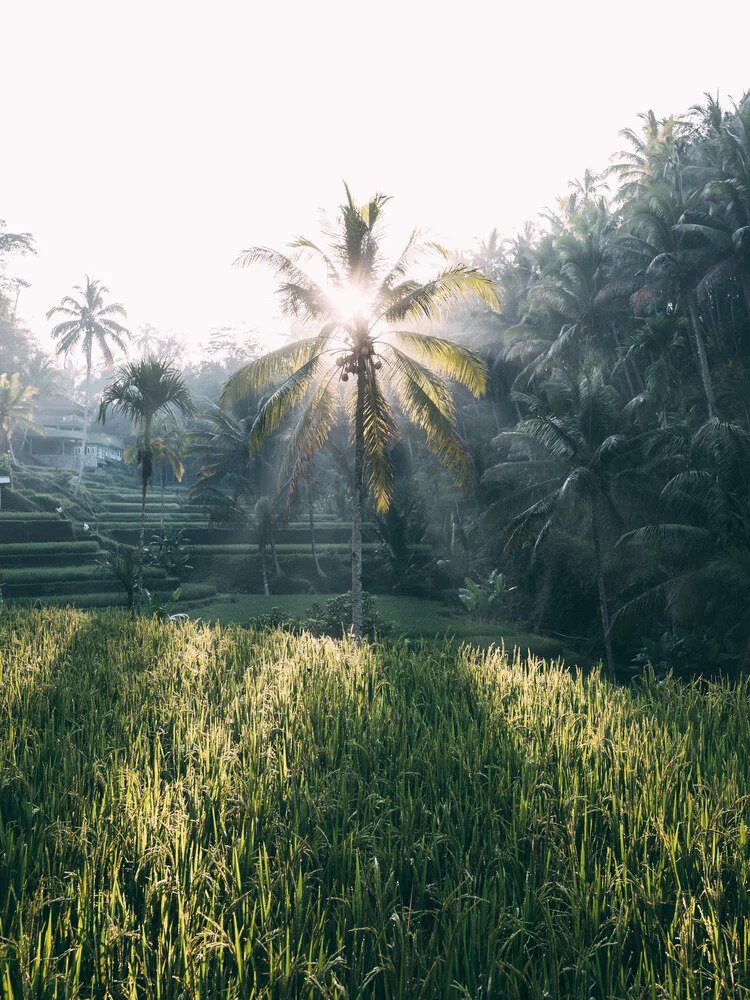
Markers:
point(149, 145)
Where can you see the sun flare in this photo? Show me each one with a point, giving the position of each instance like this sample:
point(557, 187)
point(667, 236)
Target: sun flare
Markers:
point(350, 302)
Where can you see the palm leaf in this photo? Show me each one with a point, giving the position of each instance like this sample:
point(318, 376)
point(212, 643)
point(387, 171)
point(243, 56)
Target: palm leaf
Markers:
point(411, 301)
point(260, 372)
point(282, 401)
point(452, 361)
point(380, 432)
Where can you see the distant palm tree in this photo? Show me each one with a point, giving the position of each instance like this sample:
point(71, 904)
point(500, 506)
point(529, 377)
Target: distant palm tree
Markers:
point(148, 341)
point(141, 390)
point(89, 322)
point(167, 453)
point(16, 410)
point(364, 318)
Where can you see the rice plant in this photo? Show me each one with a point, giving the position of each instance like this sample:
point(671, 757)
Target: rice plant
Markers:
point(208, 812)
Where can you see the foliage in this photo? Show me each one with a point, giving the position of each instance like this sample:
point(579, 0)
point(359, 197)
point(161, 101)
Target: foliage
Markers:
point(123, 563)
point(161, 608)
point(170, 549)
point(335, 618)
point(16, 410)
point(486, 598)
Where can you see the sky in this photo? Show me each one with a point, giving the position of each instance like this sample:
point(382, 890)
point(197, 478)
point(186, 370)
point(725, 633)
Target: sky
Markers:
point(149, 143)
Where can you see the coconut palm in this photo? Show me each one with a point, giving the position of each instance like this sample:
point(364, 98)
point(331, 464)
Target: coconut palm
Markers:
point(363, 317)
point(568, 454)
point(88, 323)
point(16, 410)
point(141, 391)
point(672, 260)
point(702, 538)
point(148, 341)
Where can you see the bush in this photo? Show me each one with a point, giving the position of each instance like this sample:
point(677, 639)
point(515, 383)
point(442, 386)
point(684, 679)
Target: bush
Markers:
point(335, 618)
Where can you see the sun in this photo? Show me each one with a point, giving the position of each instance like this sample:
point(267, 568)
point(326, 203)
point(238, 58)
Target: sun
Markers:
point(350, 302)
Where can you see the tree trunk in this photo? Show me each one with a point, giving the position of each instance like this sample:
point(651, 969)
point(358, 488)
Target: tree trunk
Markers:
point(746, 290)
point(358, 489)
point(275, 558)
point(311, 514)
point(264, 570)
point(163, 481)
point(141, 553)
point(618, 345)
point(82, 456)
point(603, 609)
point(700, 350)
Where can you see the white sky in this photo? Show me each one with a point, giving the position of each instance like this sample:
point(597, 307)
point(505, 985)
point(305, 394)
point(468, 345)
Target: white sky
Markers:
point(148, 142)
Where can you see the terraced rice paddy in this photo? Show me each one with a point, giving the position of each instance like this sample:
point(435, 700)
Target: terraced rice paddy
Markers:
point(188, 811)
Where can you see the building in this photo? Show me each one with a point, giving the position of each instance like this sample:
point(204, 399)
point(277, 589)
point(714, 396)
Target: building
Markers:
point(59, 447)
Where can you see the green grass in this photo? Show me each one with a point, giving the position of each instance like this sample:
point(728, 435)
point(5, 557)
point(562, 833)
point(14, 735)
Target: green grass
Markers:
point(412, 617)
point(46, 548)
point(27, 515)
point(108, 599)
point(48, 574)
point(197, 812)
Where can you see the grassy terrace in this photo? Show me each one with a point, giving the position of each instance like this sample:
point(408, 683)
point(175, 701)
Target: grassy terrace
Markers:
point(188, 811)
point(412, 617)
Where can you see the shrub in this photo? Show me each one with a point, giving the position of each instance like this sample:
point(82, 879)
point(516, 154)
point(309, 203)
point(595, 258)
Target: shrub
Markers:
point(335, 619)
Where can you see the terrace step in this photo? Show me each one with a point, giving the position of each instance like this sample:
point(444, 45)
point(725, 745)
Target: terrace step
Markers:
point(53, 588)
point(191, 592)
point(40, 529)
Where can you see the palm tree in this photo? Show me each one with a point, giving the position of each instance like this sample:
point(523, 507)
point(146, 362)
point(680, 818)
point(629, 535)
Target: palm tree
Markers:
point(702, 538)
point(141, 390)
point(672, 259)
point(166, 452)
point(89, 321)
point(16, 410)
point(148, 341)
point(568, 452)
point(363, 319)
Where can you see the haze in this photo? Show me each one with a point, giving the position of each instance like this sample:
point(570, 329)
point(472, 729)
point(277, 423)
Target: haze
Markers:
point(148, 144)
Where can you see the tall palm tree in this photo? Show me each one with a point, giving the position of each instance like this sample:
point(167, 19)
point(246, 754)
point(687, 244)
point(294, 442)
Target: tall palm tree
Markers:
point(88, 322)
point(141, 390)
point(567, 454)
point(672, 259)
point(363, 319)
point(16, 410)
point(701, 538)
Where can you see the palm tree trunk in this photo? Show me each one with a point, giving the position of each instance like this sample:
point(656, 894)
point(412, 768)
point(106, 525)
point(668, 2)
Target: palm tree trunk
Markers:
point(746, 291)
point(264, 570)
point(311, 514)
point(700, 350)
point(359, 477)
point(82, 456)
point(275, 558)
point(163, 481)
point(141, 554)
point(603, 608)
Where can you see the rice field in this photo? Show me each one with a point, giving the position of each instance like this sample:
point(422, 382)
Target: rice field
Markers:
point(190, 811)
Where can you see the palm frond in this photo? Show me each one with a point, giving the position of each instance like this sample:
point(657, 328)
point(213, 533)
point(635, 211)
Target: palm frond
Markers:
point(412, 301)
point(425, 406)
point(281, 402)
point(452, 361)
point(261, 372)
point(308, 436)
point(380, 432)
